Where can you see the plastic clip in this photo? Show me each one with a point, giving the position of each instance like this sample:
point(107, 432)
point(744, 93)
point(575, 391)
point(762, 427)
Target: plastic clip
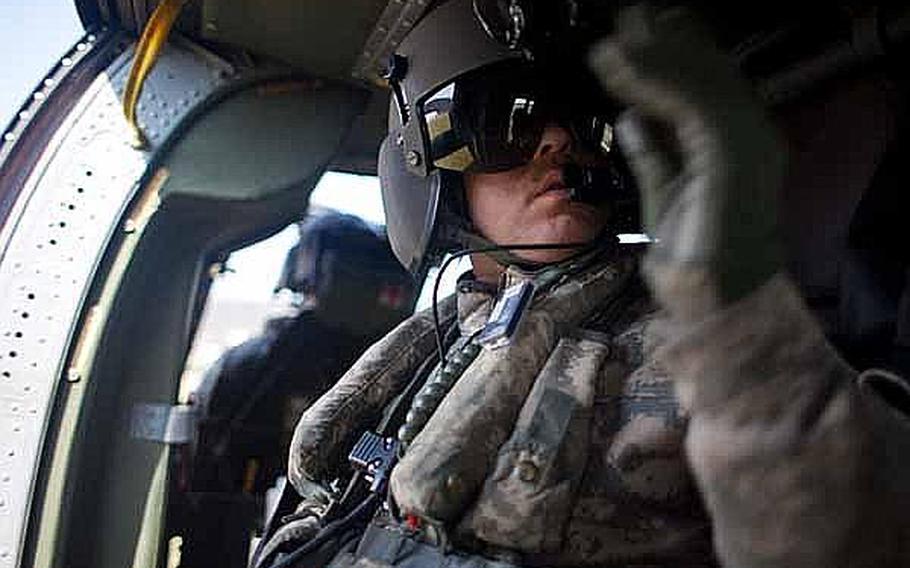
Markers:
point(375, 456)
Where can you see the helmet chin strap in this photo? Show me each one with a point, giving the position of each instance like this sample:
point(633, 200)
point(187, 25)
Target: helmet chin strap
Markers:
point(587, 253)
point(504, 256)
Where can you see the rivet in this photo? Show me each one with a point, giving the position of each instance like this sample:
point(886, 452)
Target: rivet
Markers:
point(66, 62)
point(73, 376)
point(413, 158)
point(399, 140)
point(81, 47)
point(49, 82)
point(129, 226)
point(39, 96)
point(9, 136)
point(24, 114)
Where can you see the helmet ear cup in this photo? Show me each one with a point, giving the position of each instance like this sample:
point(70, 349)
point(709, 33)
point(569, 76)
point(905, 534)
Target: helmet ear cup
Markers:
point(410, 202)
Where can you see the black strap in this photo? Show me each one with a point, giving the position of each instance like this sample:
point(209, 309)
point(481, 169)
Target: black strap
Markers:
point(287, 503)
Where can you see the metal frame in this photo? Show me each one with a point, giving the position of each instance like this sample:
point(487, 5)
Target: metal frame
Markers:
point(60, 221)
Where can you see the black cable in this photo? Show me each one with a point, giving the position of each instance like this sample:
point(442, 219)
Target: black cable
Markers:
point(327, 532)
point(478, 250)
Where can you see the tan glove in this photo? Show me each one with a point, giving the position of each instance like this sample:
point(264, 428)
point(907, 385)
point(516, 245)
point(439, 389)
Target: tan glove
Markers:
point(707, 162)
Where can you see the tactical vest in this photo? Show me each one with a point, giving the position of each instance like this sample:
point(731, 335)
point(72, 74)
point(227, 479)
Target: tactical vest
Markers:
point(563, 447)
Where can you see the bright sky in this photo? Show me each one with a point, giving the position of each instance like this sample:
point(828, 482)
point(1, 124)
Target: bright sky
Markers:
point(257, 267)
point(36, 33)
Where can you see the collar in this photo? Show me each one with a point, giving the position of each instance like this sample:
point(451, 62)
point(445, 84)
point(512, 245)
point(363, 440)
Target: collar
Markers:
point(569, 289)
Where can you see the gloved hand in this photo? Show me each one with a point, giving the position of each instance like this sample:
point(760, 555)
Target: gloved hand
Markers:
point(707, 162)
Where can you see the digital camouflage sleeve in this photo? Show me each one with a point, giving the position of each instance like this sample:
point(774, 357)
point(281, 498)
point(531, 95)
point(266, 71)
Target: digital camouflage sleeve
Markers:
point(800, 460)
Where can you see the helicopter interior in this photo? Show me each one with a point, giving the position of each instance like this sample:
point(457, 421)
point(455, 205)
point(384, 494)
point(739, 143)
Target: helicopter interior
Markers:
point(270, 98)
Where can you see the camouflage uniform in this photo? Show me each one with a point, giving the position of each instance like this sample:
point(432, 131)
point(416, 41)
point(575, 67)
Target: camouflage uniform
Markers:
point(568, 447)
point(562, 448)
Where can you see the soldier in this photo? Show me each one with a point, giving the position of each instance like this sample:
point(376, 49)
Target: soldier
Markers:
point(571, 419)
point(350, 291)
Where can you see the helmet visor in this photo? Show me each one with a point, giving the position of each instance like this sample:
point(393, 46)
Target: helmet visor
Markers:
point(492, 120)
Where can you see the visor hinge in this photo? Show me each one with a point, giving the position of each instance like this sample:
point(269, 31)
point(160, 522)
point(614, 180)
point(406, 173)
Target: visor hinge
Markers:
point(395, 71)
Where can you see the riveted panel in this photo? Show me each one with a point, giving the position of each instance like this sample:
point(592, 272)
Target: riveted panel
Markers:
point(68, 210)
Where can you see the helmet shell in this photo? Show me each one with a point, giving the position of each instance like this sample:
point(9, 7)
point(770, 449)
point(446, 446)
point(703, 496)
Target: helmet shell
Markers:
point(346, 266)
point(448, 42)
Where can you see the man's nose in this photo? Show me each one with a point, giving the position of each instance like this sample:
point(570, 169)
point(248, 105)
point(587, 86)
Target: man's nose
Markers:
point(554, 141)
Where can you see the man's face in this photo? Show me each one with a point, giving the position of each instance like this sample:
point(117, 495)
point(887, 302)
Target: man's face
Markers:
point(530, 204)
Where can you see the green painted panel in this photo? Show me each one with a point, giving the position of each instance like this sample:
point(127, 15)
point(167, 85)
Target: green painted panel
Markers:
point(323, 37)
point(262, 141)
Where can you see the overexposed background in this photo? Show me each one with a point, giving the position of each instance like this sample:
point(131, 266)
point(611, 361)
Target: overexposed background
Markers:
point(35, 34)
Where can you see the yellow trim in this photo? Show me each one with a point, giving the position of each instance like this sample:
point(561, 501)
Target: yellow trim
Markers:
point(458, 161)
point(147, 51)
point(438, 124)
point(145, 555)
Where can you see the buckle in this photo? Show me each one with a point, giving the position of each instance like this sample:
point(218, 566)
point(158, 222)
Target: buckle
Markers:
point(375, 456)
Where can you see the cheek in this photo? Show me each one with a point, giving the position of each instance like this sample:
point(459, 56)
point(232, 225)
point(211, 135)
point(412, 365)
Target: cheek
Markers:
point(491, 205)
point(575, 223)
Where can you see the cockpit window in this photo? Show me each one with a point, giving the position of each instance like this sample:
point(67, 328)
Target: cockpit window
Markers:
point(242, 295)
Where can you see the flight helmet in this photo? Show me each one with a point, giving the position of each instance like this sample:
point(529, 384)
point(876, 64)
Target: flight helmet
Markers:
point(345, 269)
point(469, 96)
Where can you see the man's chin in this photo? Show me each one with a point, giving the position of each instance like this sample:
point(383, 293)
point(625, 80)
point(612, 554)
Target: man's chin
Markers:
point(546, 256)
point(578, 225)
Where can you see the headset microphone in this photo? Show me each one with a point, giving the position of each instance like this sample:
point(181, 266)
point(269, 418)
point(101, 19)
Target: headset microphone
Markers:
point(581, 182)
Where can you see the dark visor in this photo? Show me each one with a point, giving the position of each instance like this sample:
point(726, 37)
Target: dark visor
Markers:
point(492, 120)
